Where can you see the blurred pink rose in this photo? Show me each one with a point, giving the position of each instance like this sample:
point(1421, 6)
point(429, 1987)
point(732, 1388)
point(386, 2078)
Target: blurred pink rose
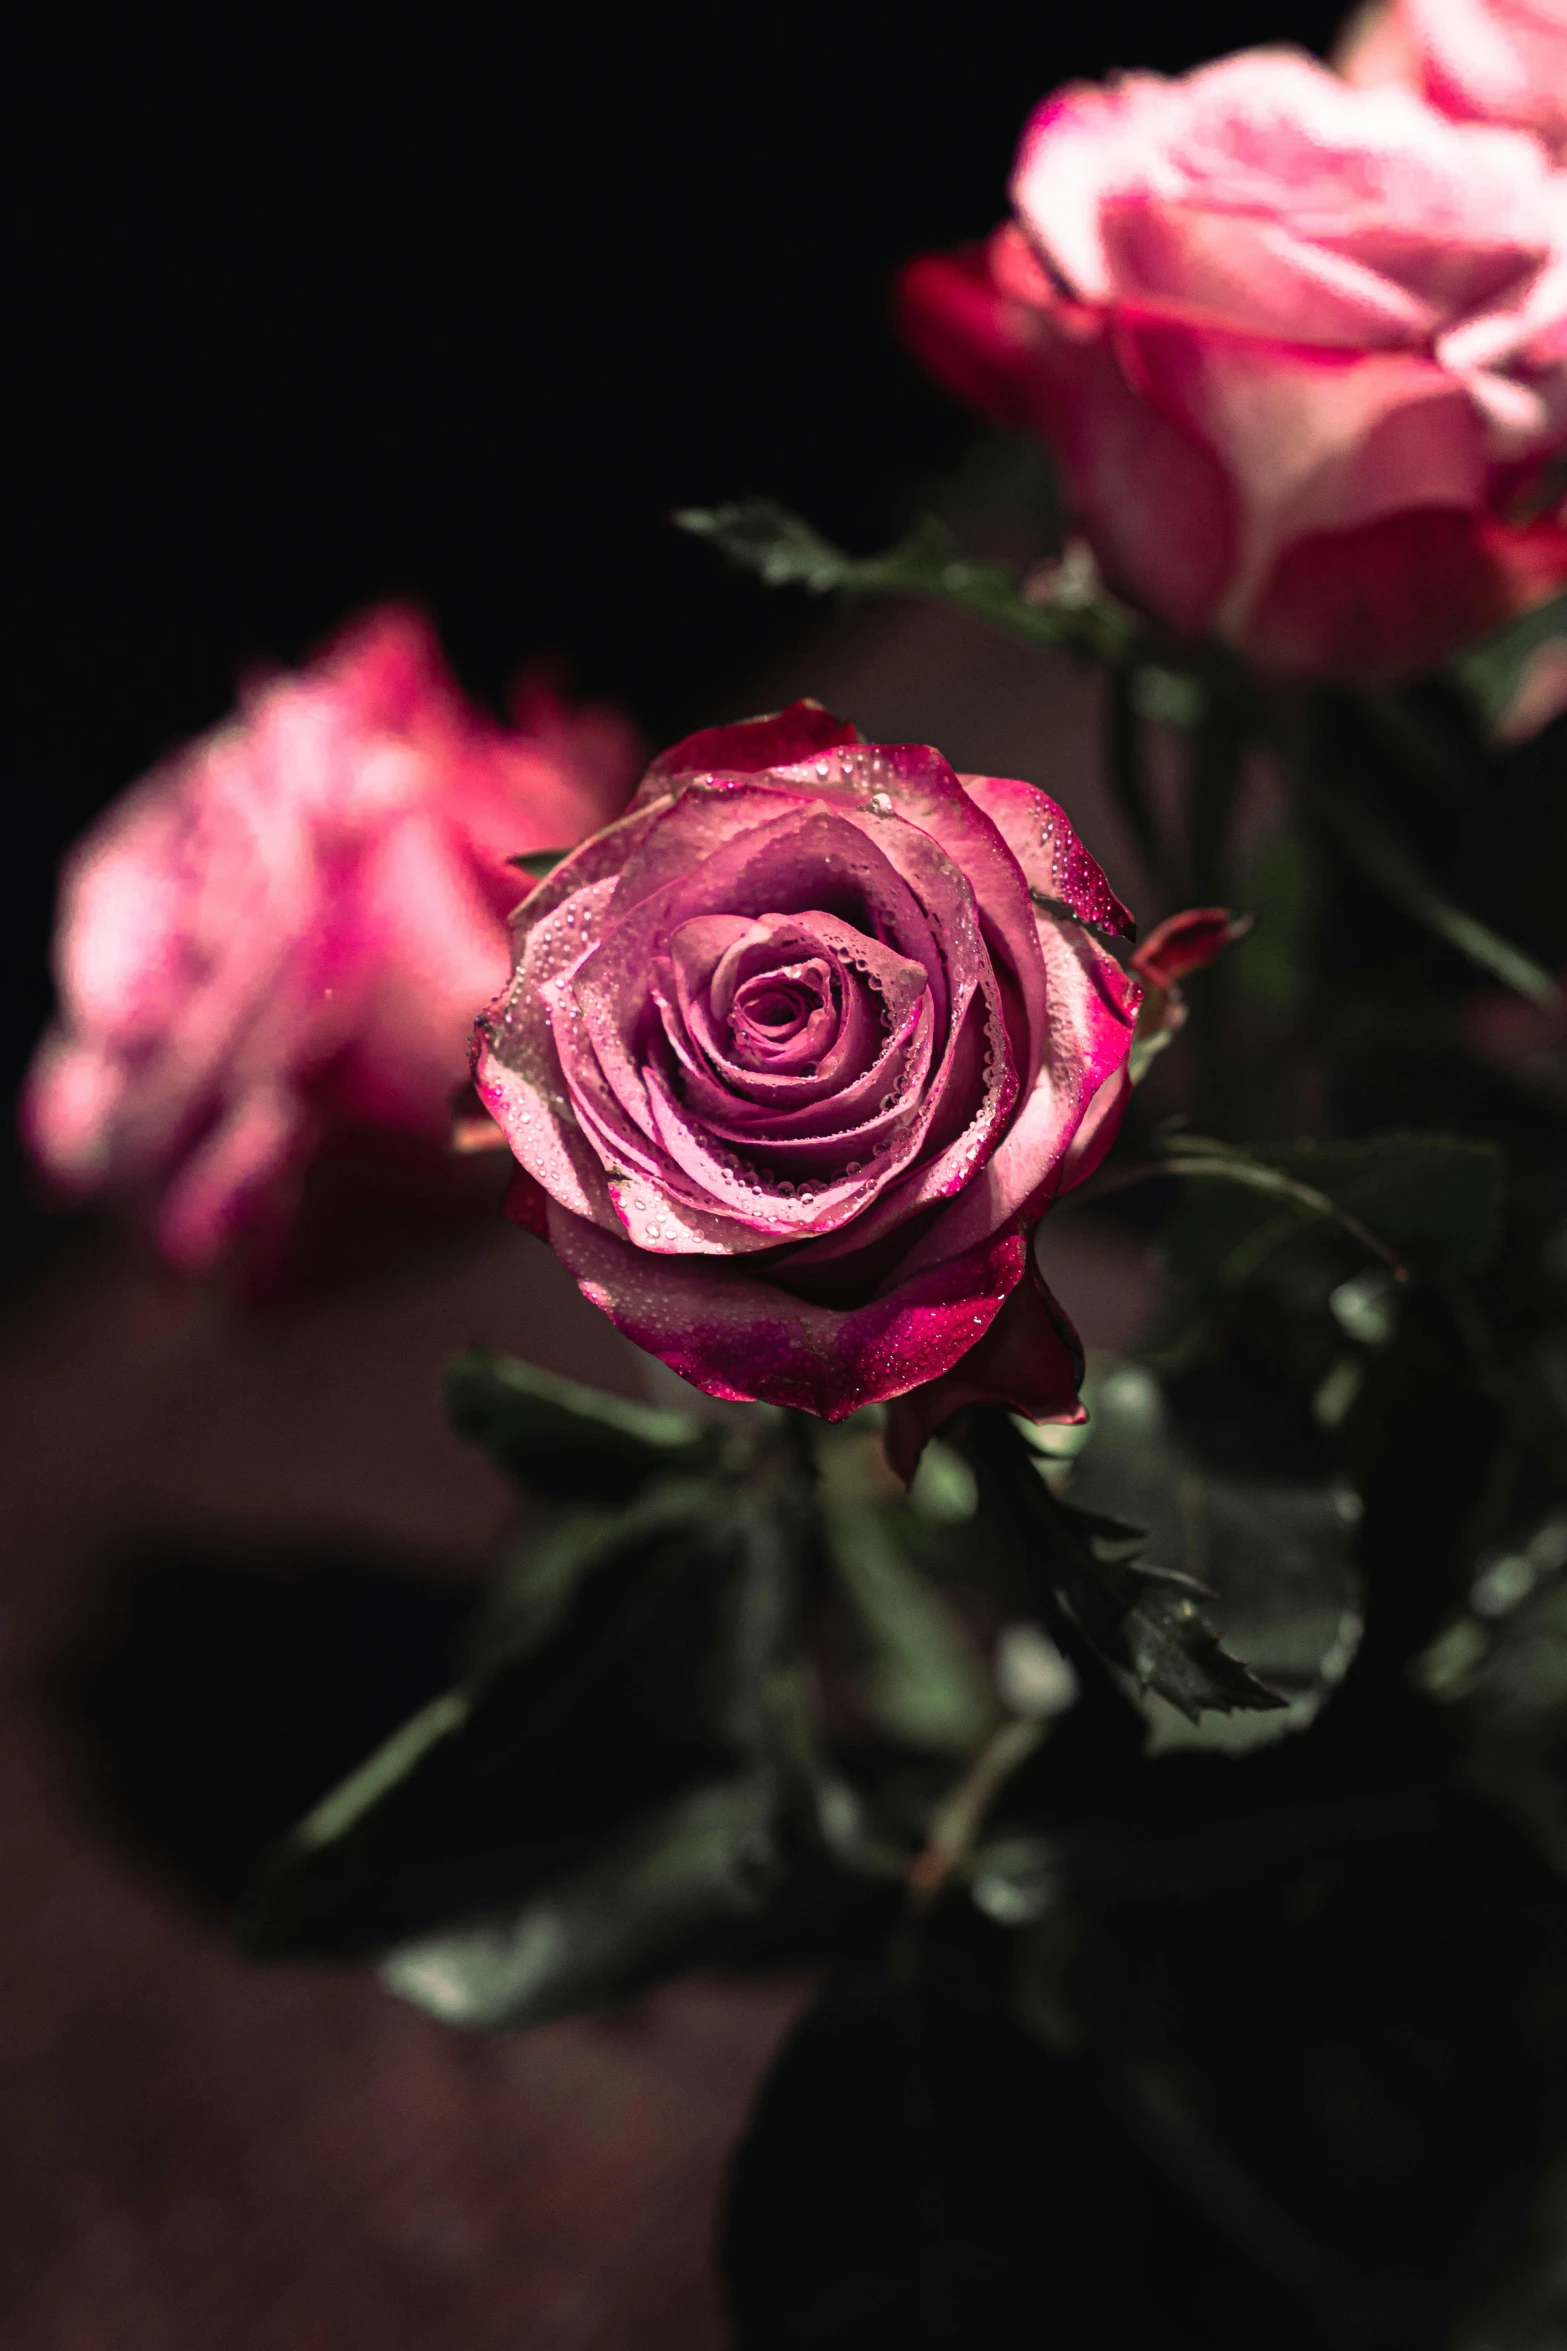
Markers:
point(293, 924)
point(794, 1056)
point(1300, 348)
point(1502, 61)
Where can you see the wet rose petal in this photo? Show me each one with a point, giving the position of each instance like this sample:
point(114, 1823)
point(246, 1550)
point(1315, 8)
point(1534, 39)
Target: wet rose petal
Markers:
point(293, 924)
point(794, 1054)
point(1299, 347)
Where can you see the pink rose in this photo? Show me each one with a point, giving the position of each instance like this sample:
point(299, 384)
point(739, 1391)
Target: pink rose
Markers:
point(1502, 61)
point(1301, 350)
point(795, 1054)
point(293, 923)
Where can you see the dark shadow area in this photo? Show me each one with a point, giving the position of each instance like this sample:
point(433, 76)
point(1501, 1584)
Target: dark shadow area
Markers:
point(458, 308)
point(227, 1689)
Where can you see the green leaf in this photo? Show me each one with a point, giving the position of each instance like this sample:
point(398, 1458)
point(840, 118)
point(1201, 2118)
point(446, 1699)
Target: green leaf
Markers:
point(564, 1440)
point(1422, 1203)
point(1393, 865)
point(1143, 1618)
point(922, 1680)
point(1275, 1557)
point(625, 1660)
point(783, 550)
point(1435, 1200)
point(1202, 1159)
point(1149, 1619)
point(1175, 1652)
point(1495, 676)
point(656, 1899)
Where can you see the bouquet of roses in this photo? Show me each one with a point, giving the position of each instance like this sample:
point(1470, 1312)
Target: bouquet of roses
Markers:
point(1167, 1755)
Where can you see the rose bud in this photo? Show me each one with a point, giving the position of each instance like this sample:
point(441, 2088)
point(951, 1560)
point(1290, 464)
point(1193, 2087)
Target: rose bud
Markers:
point(291, 925)
point(1182, 944)
point(1300, 349)
point(796, 1054)
point(1501, 61)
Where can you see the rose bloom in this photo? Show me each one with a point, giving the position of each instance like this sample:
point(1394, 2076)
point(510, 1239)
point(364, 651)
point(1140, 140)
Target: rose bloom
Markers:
point(1300, 349)
point(796, 1054)
point(1502, 61)
point(292, 924)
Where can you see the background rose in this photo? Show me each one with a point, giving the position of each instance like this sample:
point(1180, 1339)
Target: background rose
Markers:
point(296, 920)
point(1501, 61)
point(795, 1053)
point(1301, 349)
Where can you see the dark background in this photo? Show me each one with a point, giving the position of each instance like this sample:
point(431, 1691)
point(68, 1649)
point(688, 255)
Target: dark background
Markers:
point(309, 311)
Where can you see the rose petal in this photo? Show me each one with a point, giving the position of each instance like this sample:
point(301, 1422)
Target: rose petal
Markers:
point(1030, 1360)
point(754, 746)
point(1311, 440)
point(736, 1336)
point(1395, 597)
point(217, 1184)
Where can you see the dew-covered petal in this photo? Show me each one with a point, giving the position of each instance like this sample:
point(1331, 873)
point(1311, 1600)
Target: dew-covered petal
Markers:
point(1055, 865)
point(963, 1114)
point(1093, 1013)
point(869, 986)
point(754, 745)
point(786, 858)
point(785, 1018)
point(863, 1064)
point(517, 1065)
point(735, 1335)
point(912, 782)
point(1029, 1359)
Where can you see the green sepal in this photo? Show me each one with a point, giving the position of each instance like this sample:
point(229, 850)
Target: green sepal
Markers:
point(1144, 1619)
point(623, 1661)
point(655, 1899)
point(566, 1441)
point(1147, 1619)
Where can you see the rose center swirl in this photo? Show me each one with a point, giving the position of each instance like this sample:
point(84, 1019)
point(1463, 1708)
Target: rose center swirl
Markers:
point(786, 1017)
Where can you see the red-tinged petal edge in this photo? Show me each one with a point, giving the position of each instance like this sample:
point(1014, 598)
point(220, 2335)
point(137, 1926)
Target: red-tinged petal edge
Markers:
point(753, 745)
point(952, 316)
point(1399, 596)
point(1183, 943)
point(1030, 1360)
point(744, 1338)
